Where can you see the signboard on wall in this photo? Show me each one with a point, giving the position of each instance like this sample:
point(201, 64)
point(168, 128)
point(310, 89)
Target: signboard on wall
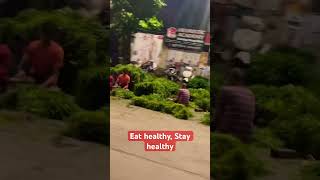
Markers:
point(146, 47)
point(186, 39)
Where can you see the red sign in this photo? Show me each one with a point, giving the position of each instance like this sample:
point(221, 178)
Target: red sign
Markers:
point(172, 32)
point(207, 39)
point(160, 140)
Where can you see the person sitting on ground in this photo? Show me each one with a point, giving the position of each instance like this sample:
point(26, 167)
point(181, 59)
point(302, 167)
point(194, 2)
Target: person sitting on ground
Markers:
point(123, 80)
point(42, 60)
point(235, 108)
point(5, 65)
point(183, 95)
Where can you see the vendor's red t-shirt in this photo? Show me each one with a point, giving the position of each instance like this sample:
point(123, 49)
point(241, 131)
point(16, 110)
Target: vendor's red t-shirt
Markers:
point(44, 59)
point(123, 80)
point(5, 61)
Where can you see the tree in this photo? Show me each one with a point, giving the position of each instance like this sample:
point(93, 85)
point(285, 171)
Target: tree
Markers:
point(129, 16)
point(151, 24)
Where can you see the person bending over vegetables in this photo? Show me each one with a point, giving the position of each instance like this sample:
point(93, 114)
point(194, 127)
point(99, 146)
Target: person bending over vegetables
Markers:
point(235, 109)
point(123, 80)
point(42, 60)
point(183, 95)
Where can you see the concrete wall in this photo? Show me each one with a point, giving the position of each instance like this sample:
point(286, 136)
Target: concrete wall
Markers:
point(274, 14)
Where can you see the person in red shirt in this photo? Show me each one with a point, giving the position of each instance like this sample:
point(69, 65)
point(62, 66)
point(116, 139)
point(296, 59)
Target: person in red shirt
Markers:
point(5, 65)
point(43, 58)
point(111, 82)
point(123, 80)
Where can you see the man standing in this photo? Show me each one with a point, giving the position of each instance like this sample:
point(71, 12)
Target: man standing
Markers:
point(183, 95)
point(42, 60)
point(5, 64)
point(235, 109)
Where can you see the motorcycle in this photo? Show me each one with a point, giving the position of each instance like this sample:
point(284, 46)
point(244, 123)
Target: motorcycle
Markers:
point(149, 66)
point(185, 76)
point(172, 74)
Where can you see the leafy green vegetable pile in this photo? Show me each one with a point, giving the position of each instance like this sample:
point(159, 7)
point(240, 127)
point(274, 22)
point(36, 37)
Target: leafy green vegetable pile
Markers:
point(286, 102)
point(199, 82)
point(285, 83)
point(153, 92)
point(266, 138)
point(137, 75)
point(232, 160)
point(206, 119)
point(292, 113)
point(125, 94)
point(280, 68)
point(84, 75)
point(287, 110)
point(156, 103)
point(42, 102)
point(201, 97)
point(84, 40)
point(92, 88)
point(160, 86)
point(89, 126)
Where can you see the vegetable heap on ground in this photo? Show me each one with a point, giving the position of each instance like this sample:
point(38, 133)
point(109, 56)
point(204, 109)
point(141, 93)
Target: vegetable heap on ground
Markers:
point(285, 82)
point(83, 79)
point(154, 92)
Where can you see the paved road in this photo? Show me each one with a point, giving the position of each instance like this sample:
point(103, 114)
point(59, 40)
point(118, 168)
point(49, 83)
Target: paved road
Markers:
point(30, 150)
point(190, 161)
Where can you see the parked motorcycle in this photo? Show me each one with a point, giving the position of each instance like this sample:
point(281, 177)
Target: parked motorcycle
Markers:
point(172, 74)
point(149, 66)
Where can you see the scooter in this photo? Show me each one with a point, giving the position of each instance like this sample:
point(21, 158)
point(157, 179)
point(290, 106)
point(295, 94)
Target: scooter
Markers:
point(187, 74)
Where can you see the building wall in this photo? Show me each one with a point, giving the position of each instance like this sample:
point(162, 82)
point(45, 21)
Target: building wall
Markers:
point(275, 14)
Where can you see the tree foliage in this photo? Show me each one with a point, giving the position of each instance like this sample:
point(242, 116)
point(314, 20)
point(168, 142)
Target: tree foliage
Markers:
point(129, 16)
point(151, 24)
